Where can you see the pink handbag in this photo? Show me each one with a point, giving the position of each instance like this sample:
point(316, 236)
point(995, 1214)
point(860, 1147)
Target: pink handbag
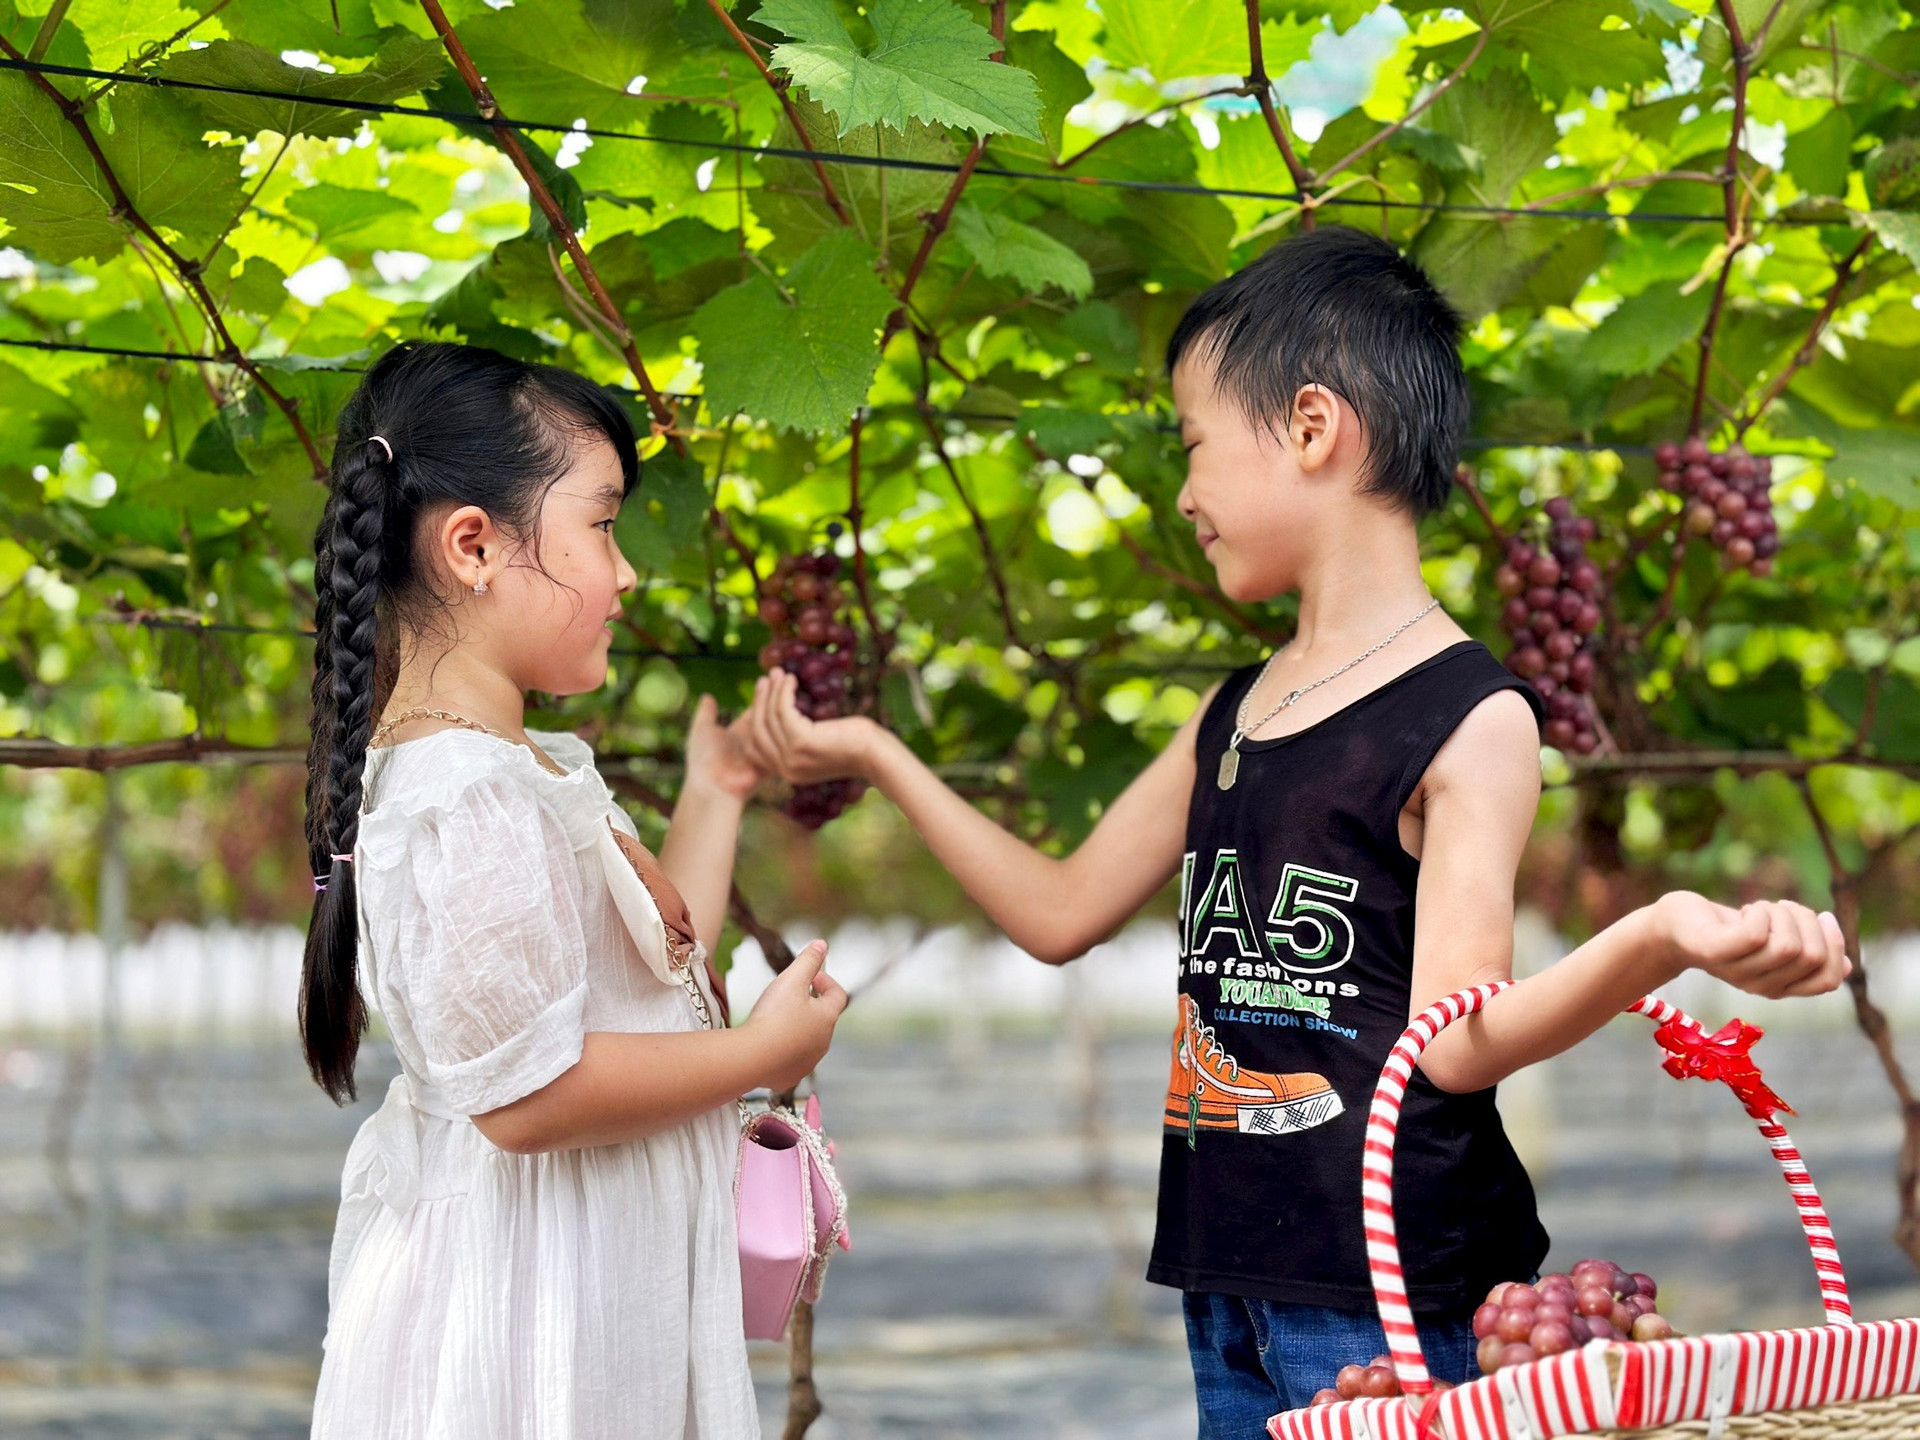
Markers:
point(791, 1213)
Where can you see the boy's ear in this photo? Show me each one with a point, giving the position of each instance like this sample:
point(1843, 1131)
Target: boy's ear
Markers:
point(1316, 426)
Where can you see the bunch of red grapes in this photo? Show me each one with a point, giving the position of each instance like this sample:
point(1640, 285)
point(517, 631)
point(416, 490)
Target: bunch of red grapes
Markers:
point(804, 605)
point(1376, 1381)
point(1520, 1323)
point(1552, 609)
point(1598, 1301)
point(1728, 500)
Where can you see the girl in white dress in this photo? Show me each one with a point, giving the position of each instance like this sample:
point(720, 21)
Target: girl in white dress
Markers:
point(536, 1236)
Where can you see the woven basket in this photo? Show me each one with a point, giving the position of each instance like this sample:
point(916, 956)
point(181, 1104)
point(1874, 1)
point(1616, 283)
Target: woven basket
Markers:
point(1838, 1381)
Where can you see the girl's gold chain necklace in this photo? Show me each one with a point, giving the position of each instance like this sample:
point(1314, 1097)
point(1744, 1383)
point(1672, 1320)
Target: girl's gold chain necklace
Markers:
point(427, 712)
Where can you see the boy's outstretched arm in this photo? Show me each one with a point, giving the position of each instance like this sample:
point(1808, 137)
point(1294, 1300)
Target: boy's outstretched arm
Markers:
point(1478, 799)
point(1055, 910)
point(697, 854)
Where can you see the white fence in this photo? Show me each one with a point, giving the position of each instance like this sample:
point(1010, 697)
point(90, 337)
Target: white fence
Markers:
point(190, 987)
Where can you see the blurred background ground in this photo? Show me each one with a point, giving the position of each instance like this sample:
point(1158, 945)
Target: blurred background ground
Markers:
point(998, 1130)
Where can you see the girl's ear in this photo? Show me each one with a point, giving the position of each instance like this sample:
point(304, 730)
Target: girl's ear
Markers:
point(468, 546)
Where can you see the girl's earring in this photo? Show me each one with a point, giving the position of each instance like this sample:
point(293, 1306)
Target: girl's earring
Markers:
point(480, 587)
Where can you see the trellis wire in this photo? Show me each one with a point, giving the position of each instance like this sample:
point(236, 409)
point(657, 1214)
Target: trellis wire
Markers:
point(129, 352)
point(1173, 187)
point(1471, 442)
point(720, 657)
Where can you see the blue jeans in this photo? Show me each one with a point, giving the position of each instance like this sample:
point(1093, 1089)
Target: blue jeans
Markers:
point(1255, 1358)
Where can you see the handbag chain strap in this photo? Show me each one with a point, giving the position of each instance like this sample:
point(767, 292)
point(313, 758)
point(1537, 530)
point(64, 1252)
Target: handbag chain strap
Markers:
point(703, 1012)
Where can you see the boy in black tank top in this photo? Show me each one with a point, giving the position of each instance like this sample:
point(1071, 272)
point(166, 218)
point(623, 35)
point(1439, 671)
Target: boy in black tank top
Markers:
point(1345, 824)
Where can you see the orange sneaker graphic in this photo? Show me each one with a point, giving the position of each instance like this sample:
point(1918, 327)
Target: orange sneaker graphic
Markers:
point(1208, 1090)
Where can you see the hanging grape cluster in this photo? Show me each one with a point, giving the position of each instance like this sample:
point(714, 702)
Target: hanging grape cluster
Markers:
point(1727, 495)
point(1552, 609)
point(804, 605)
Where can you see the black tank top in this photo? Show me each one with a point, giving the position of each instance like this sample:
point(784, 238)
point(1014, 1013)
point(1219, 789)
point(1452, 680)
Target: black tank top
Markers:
point(1296, 918)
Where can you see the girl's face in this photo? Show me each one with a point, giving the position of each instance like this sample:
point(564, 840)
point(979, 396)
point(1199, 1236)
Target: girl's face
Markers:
point(550, 607)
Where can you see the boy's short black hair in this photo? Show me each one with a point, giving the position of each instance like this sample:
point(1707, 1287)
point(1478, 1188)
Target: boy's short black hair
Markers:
point(1338, 307)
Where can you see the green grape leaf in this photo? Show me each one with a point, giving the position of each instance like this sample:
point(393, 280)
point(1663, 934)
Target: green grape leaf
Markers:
point(1171, 39)
point(1882, 462)
point(1896, 714)
point(790, 199)
point(1498, 103)
point(562, 186)
point(118, 29)
point(1818, 156)
point(929, 62)
point(1645, 329)
point(255, 286)
point(1763, 711)
point(1185, 238)
point(685, 243)
point(1004, 247)
point(1482, 262)
point(1443, 152)
point(1566, 44)
point(54, 195)
point(663, 518)
point(353, 217)
point(800, 353)
point(404, 66)
point(323, 27)
point(1106, 334)
point(1892, 173)
point(1076, 795)
point(665, 177)
point(1060, 432)
point(1897, 229)
point(50, 190)
point(681, 487)
point(562, 60)
point(1063, 84)
point(172, 176)
point(214, 449)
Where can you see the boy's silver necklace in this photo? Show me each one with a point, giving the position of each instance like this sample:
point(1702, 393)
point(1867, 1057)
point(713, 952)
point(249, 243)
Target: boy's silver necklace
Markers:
point(1230, 757)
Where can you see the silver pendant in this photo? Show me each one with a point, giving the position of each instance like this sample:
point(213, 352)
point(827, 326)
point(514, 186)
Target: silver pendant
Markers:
point(1229, 768)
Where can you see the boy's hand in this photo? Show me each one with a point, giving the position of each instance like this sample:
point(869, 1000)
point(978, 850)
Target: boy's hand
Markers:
point(727, 757)
point(1772, 948)
point(807, 751)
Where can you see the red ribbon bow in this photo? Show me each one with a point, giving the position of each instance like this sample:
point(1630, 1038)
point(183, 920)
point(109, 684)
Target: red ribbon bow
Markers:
point(1724, 1056)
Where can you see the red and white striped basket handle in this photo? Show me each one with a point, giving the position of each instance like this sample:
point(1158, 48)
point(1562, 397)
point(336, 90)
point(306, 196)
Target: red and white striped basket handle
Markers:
point(1376, 1182)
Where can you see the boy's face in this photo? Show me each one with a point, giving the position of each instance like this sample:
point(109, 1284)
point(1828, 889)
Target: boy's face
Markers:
point(1245, 494)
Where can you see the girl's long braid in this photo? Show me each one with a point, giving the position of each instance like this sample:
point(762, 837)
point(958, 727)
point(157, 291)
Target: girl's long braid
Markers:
point(331, 1006)
point(320, 722)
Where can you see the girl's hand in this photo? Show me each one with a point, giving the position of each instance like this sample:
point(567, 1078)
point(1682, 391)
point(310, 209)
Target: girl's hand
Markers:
point(724, 756)
point(807, 751)
point(794, 1018)
point(1772, 948)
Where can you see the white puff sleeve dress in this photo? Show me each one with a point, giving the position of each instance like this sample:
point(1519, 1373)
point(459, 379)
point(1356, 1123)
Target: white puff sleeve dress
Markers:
point(479, 1295)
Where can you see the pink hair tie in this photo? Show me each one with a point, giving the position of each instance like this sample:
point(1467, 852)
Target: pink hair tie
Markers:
point(320, 881)
point(381, 441)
